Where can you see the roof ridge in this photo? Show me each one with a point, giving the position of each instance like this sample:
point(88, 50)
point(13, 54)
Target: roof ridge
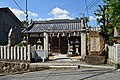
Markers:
point(58, 21)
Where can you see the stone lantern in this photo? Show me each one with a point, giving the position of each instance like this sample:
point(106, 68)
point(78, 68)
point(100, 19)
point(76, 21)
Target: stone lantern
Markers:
point(39, 45)
point(77, 46)
point(70, 50)
point(24, 41)
point(39, 42)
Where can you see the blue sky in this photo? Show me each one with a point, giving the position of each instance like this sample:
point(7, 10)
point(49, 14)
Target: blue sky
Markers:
point(52, 9)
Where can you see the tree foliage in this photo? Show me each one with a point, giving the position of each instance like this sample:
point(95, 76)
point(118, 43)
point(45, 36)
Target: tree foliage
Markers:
point(114, 12)
point(109, 18)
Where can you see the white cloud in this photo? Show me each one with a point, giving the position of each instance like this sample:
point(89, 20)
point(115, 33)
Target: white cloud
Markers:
point(21, 15)
point(60, 13)
point(92, 18)
point(32, 14)
point(56, 12)
point(98, 17)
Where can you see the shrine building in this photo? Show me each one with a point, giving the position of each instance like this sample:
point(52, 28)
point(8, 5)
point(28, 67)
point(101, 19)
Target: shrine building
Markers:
point(59, 36)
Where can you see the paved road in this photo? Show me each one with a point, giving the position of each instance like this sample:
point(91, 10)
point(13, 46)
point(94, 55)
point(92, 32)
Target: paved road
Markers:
point(68, 74)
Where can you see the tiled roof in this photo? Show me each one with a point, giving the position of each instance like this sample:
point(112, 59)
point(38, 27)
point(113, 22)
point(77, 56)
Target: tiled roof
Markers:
point(55, 26)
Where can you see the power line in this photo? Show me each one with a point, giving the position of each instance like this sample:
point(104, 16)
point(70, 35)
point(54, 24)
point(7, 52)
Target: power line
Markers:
point(90, 5)
point(87, 10)
point(93, 5)
point(19, 6)
point(87, 6)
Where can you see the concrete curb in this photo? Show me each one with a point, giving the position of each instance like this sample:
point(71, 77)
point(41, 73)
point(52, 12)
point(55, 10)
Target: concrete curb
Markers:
point(2, 74)
point(64, 67)
point(70, 65)
point(97, 66)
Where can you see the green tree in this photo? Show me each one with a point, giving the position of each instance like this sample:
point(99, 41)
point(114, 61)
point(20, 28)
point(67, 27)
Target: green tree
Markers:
point(114, 12)
point(103, 21)
point(110, 18)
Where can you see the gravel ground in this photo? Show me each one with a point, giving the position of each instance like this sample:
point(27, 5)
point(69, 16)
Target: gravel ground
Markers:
point(67, 74)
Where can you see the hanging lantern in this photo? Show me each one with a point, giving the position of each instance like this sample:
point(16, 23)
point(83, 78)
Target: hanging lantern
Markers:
point(78, 33)
point(63, 34)
point(50, 34)
point(58, 34)
point(69, 35)
point(74, 34)
point(53, 34)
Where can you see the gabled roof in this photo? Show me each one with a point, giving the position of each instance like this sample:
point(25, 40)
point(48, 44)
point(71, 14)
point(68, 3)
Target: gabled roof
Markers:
point(55, 25)
point(12, 14)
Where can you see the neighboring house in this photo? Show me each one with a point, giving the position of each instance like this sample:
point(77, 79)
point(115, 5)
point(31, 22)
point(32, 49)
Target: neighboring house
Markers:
point(7, 21)
point(59, 35)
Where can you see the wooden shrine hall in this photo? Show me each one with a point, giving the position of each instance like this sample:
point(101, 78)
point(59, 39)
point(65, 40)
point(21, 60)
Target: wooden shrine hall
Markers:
point(59, 36)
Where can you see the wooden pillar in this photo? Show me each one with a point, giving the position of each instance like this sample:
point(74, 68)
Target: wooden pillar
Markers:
point(83, 45)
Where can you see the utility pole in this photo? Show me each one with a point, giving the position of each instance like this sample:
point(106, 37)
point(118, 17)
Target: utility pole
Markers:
point(27, 19)
point(27, 12)
point(104, 17)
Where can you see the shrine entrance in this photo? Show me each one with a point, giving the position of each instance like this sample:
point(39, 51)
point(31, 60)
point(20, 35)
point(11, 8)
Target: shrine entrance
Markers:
point(59, 45)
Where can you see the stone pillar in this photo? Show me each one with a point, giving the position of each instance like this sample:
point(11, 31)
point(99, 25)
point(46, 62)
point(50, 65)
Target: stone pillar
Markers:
point(117, 53)
point(25, 53)
point(35, 47)
point(111, 52)
point(14, 52)
point(38, 47)
point(5, 52)
point(21, 53)
point(77, 46)
point(46, 42)
point(83, 45)
point(18, 52)
point(28, 53)
point(41, 47)
point(77, 50)
point(8, 52)
point(1, 52)
point(11, 51)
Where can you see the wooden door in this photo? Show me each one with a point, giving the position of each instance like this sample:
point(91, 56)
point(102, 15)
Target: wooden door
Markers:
point(63, 45)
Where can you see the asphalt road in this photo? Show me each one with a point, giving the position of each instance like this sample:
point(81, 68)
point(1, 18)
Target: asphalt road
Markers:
point(67, 74)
